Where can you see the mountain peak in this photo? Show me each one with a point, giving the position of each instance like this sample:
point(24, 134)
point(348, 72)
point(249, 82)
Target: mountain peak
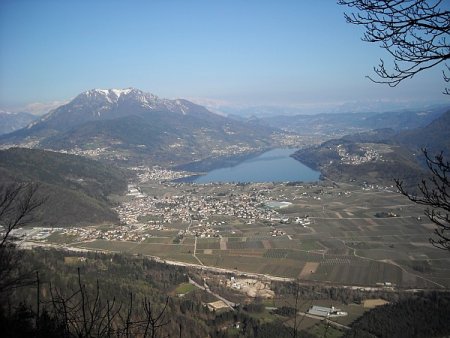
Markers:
point(119, 92)
point(112, 93)
point(116, 91)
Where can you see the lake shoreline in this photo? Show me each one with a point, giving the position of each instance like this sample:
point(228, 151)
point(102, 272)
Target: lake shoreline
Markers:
point(211, 163)
point(270, 165)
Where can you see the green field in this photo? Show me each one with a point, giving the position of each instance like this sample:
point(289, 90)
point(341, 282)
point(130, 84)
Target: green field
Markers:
point(185, 288)
point(176, 252)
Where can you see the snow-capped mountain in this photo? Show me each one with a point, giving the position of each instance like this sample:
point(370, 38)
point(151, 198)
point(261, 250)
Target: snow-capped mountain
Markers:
point(137, 97)
point(129, 123)
point(106, 104)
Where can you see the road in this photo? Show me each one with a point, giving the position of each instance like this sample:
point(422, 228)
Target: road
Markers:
point(230, 304)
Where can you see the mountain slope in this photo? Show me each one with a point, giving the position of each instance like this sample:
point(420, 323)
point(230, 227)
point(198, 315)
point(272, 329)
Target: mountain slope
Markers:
point(375, 163)
point(77, 188)
point(435, 136)
point(10, 122)
point(134, 126)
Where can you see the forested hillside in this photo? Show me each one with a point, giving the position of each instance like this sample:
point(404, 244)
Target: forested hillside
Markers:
point(421, 316)
point(127, 286)
point(76, 188)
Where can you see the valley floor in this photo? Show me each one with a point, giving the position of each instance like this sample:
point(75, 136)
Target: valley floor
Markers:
point(330, 233)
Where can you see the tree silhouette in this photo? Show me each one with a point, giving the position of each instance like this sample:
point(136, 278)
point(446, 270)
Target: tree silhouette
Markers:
point(85, 313)
point(82, 314)
point(435, 194)
point(414, 32)
point(18, 203)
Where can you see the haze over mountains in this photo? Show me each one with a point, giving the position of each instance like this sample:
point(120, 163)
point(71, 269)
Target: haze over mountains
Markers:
point(346, 123)
point(11, 121)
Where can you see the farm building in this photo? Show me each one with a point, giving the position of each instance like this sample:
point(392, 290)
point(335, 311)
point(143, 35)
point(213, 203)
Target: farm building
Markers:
point(326, 311)
point(217, 305)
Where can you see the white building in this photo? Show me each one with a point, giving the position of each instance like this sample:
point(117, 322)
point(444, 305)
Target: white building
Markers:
point(326, 311)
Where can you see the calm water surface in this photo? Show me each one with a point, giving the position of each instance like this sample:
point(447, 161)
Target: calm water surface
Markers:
point(272, 166)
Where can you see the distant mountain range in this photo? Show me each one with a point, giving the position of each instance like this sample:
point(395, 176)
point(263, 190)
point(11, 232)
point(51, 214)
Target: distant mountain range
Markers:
point(346, 123)
point(10, 121)
point(77, 188)
point(363, 106)
point(134, 126)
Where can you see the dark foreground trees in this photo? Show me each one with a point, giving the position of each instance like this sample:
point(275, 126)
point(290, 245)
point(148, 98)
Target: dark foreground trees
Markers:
point(84, 313)
point(89, 314)
point(434, 193)
point(422, 315)
point(415, 33)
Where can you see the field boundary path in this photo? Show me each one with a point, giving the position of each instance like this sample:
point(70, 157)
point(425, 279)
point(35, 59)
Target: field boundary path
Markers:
point(195, 252)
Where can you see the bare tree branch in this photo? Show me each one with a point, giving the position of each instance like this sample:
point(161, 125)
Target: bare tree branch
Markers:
point(414, 32)
point(84, 313)
point(18, 201)
point(435, 194)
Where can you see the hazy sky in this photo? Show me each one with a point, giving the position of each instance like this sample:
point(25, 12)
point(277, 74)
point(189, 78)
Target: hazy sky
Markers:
point(251, 52)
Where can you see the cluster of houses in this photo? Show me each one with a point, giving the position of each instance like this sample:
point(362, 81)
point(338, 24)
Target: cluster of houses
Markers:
point(233, 149)
point(368, 155)
point(120, 233)
point(191, 205)
point(156, 173)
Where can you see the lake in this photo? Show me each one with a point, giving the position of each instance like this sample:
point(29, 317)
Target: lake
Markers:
point(272, 166)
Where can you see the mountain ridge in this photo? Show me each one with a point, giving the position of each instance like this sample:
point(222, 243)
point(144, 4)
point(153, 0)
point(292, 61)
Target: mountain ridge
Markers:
point(340, 124)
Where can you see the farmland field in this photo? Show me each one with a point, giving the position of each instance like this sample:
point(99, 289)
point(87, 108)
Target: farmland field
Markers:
point(346, 235)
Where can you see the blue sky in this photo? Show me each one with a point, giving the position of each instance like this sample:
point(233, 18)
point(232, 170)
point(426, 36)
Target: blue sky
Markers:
point(234, 52)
